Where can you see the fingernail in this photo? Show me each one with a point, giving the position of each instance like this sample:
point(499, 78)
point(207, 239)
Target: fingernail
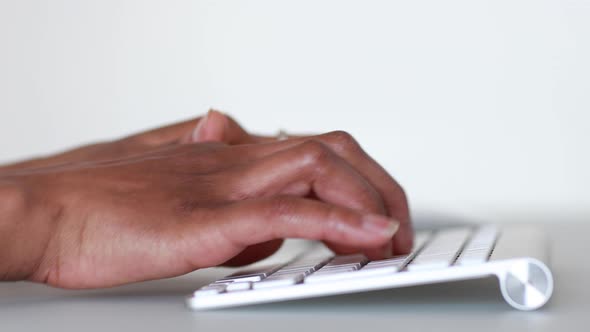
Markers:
point(381, 225)
point(199, 132)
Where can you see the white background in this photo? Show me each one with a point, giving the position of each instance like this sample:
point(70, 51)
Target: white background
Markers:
point(479, 108)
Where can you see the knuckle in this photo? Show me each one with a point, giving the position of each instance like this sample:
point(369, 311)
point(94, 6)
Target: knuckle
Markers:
point(315, 151)
point(343, 141)
point(280, 208)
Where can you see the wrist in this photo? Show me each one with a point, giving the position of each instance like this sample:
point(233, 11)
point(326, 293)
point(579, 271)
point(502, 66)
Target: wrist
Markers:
point(24, 232)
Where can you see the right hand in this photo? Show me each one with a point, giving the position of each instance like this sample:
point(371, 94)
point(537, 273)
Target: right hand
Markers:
point(184, 207)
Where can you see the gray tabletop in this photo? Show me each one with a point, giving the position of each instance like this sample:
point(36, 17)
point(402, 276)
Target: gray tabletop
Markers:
point(462, 306)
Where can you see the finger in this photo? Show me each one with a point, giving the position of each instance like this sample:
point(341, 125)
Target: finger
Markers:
point(309, 168)
point(218, 127)
point(255, 221)
point(221, 128)
point(391, 192)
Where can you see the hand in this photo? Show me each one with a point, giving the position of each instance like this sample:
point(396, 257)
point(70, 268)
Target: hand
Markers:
point(183, 207)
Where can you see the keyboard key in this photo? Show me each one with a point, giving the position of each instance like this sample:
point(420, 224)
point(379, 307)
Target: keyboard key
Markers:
point(480, 246)
point(352, 274)
point(396, 262)
point(446, 241)
point(399, 262)
point(279, 281)
point(372, 269)
point(420, 240)
point(312, 262)
point(255, 274)
point(336, 270)
point(357, 260)
point(473, 257)
point(238, 286)
point(336, 267)
point(342, 264)
point(441, 251)
point(304, 272)
point(483, 238)
point(212, 289)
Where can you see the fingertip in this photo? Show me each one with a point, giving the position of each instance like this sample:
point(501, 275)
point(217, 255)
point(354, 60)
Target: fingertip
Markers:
point(199, 134)
point(211, 128)
point(371, 231)
point(380, 225)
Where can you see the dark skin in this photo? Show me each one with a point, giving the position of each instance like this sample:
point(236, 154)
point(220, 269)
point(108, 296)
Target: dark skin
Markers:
point(197, 194)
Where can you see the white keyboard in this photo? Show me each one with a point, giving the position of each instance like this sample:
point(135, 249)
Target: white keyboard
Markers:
point(515, 255)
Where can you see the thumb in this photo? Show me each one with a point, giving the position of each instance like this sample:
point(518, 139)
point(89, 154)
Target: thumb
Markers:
point(211, 128)
point(218, 127)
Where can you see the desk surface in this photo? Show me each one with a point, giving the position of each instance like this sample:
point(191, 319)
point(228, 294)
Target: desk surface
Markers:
point(158, 305)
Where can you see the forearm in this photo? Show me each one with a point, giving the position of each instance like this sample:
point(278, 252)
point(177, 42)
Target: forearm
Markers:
point(24, 231)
